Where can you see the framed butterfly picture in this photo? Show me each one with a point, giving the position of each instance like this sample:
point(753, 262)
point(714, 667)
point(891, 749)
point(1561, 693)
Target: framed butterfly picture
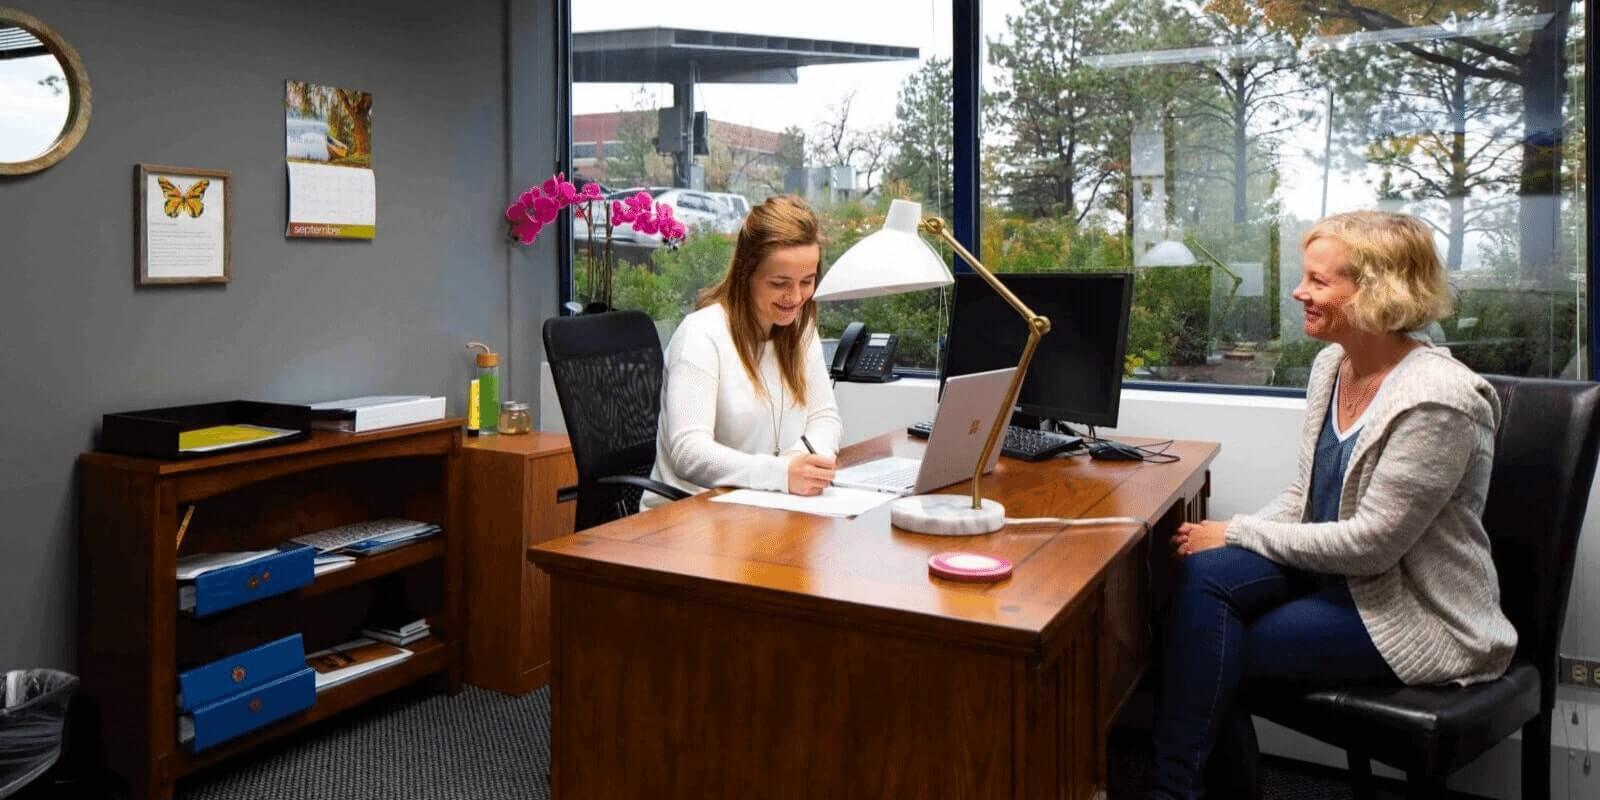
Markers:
point(183, 220)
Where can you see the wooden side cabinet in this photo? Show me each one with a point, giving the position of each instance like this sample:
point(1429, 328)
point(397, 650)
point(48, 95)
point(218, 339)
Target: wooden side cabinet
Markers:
point(510, 491)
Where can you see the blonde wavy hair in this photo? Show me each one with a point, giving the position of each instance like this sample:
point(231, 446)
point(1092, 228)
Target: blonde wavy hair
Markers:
point(1400, 283)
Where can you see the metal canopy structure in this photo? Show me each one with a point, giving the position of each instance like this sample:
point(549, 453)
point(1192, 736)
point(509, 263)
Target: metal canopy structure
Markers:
point(684, 58)
point(18, 43)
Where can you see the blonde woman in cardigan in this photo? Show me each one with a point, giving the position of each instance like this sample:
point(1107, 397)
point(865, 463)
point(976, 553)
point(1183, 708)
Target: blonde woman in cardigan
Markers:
point(1373, 566)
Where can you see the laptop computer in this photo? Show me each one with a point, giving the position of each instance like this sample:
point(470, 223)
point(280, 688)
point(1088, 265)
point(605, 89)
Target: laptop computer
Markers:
point(961, 426)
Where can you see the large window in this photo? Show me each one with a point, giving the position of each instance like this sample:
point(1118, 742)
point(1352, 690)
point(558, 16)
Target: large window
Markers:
point(1195, 142)
point(1192, 142)
point(712, 108)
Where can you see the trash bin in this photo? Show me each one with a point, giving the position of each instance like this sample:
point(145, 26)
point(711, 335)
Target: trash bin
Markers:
point(33, 711)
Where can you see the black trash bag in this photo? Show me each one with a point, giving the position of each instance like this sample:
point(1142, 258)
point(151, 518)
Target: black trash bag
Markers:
point(30, 730)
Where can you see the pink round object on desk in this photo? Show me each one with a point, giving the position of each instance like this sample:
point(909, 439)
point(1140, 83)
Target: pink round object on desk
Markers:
point(963, 566)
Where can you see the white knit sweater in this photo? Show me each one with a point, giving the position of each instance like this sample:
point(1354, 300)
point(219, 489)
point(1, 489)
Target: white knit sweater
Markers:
point(1410, 537)
point(717, 429)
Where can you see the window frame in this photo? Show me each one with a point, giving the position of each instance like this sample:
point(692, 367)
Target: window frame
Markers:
point(966, 81)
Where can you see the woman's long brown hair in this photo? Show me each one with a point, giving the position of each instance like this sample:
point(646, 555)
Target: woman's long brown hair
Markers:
point(779, 223)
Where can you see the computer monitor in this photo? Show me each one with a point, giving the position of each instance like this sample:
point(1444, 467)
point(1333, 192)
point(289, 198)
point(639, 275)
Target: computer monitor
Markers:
point(1076, 374)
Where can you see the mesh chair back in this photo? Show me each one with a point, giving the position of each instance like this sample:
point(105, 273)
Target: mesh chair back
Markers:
point(608, 372)
point(1544, 463)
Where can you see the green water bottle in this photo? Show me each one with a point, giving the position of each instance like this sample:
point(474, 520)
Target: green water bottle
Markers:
point(488, 389)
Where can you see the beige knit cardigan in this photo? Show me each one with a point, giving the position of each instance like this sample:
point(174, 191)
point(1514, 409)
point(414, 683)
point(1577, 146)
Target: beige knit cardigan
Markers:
point(1410, 537)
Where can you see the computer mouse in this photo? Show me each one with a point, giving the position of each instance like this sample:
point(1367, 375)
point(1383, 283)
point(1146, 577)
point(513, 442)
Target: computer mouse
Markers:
point(1114, 451)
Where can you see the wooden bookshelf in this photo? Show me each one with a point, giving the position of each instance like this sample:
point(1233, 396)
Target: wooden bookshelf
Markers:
point(133, 641)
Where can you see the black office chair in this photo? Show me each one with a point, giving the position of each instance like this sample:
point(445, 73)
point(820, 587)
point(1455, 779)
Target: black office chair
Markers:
point(608, 372)
point(1544, 463)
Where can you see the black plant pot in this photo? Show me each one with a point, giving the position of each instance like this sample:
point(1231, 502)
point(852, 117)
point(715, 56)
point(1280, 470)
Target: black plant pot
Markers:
point(596, 308)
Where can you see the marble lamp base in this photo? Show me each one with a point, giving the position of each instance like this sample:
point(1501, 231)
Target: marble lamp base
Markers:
point(946, 515)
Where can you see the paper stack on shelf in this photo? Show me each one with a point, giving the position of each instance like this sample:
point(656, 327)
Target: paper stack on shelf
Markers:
point(361, 414)
point(324, 563)
point(369, 537)
point(398, 634)
point(351, 660)
point(193, 566)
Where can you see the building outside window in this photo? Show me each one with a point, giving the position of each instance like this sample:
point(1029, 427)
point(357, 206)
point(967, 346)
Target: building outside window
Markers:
point(1191, 143)
point(715, 107)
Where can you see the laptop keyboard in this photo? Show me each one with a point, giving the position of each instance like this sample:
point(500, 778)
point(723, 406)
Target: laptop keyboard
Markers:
point(888, 474)
point(1026, 444)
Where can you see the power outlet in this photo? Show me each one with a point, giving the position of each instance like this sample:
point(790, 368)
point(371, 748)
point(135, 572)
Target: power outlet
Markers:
point(1584, 672)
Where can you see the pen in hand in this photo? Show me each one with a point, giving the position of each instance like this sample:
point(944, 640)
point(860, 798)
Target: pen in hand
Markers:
point(813, 451)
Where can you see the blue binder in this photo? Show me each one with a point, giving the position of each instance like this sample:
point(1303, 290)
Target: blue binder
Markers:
point(222, 589)
point(240, 672)
point(217, 723)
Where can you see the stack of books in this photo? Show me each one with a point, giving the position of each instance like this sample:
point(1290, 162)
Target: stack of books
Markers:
point(351, 660)
point(361, 414)
point(368, 538)
point(397, 634)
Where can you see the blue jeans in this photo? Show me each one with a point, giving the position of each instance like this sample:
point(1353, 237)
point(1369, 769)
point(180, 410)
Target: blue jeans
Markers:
point(1240, 618)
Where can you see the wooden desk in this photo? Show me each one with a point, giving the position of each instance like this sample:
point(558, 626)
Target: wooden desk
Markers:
point(712, 650)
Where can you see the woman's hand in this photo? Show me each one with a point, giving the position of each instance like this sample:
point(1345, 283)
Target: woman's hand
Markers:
point(810, 473)
point(1192, 537)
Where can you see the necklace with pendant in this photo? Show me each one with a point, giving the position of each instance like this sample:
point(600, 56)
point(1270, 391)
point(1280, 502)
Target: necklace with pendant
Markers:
point(777, 412)
point(1351, 400)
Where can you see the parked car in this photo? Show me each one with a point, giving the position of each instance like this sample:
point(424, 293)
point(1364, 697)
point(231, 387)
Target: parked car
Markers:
point(738, 207)
point(696, 210)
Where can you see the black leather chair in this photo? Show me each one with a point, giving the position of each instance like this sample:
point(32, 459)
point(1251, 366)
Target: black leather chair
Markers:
point(1543, 467)
point(608, 372)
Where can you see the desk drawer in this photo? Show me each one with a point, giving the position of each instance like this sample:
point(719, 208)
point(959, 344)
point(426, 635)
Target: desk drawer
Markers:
point(240, 672)
point(214, 724)
point(222, 589)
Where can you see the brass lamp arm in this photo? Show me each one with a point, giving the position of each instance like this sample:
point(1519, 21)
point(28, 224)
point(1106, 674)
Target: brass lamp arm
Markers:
point(1038, 326)
point(936, 226)
point(1237, 279)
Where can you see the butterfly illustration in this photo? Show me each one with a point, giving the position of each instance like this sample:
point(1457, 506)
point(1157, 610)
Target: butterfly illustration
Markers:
point(183, 201)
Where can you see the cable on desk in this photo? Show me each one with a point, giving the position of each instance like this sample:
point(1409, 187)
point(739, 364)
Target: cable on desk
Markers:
point(1155, 453)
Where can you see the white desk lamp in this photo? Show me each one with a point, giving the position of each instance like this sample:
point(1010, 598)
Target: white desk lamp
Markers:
point(893, 260)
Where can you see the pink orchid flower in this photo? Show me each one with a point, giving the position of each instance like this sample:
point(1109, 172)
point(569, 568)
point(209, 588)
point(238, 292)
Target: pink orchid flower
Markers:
point(545, 210)
point(528, 230)
point(622, 213)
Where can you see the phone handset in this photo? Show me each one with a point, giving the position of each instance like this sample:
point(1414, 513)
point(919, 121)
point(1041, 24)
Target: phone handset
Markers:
point(849, 342)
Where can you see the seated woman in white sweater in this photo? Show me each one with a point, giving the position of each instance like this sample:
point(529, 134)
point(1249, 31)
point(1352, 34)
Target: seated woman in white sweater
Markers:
point(745, 379)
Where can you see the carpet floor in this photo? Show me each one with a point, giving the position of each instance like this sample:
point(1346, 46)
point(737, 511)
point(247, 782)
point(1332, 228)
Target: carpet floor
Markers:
point(481, 745)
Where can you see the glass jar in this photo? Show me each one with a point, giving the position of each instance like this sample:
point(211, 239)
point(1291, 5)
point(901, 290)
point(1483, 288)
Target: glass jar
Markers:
point(514, 418)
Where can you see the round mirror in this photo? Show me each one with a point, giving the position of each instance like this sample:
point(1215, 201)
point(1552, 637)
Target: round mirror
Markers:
point(44, 95)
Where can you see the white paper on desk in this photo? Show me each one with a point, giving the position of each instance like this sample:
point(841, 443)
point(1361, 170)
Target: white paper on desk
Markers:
point(833, 502)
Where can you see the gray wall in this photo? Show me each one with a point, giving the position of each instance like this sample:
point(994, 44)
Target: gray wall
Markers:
point(201, 85)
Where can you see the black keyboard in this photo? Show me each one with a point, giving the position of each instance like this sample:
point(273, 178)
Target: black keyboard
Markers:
point(1026, 444)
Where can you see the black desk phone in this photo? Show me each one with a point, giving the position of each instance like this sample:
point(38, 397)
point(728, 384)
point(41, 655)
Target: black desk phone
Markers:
point(863, 355)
